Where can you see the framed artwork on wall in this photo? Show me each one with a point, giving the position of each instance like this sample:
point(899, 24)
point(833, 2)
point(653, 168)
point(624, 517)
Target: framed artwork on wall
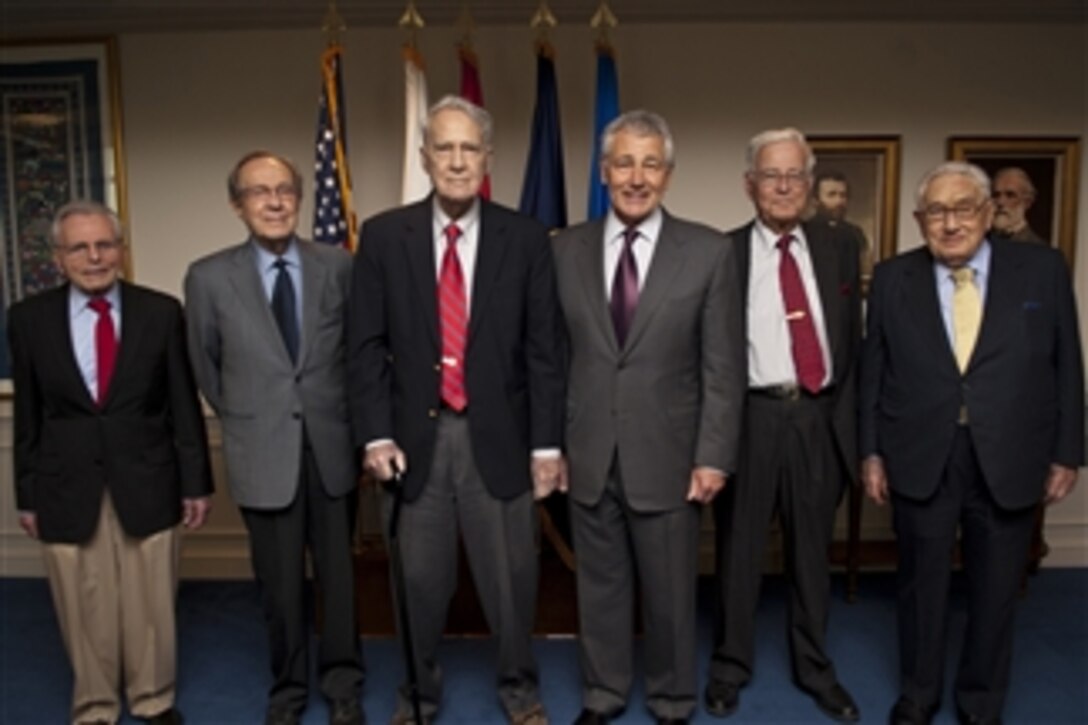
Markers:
point(60, 139)
point(1035, 185)
point(857, 185)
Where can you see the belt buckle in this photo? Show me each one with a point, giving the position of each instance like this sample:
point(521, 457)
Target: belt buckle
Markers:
point(791, 392)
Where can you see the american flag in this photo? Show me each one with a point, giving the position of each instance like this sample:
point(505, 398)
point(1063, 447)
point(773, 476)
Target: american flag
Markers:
point(334, 217)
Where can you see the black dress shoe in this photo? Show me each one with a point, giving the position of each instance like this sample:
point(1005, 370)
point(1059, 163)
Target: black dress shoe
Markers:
point(836, 703)
point(672, 721)
point(591, 717)
point(907, 712)
point(346, 712)
point(721, 699)
point(170, 716)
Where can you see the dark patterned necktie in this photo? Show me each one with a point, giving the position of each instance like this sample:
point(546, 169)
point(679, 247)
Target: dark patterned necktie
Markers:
point(453, 321)
point(284, 308)
point(808, 358)
point(625, 287)
point(105, 346)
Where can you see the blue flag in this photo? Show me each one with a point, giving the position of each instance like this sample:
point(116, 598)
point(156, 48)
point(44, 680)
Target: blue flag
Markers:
point(606, 108)
point(544, 195)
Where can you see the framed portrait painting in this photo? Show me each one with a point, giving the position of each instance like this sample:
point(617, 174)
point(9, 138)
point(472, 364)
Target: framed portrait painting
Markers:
point(1035, 185)
point(60, 139)
point(856, 186)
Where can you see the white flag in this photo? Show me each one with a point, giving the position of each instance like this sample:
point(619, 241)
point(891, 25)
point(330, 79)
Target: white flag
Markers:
point(415, 183)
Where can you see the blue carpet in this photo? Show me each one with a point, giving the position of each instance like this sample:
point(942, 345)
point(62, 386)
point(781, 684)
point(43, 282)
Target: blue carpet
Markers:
point(224, 674)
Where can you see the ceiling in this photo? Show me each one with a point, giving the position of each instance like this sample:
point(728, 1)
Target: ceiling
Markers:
point(59, 18)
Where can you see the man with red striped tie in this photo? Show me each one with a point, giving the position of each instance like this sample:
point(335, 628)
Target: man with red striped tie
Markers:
point(455, 380)
point(110, 456)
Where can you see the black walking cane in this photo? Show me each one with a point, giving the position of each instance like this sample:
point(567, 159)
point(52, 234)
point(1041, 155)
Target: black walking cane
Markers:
point(394, 486)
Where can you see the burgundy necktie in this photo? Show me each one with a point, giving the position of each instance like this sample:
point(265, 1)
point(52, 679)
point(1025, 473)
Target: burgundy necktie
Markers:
point(808, 358)
point(105, 346)
point(453, 319)
point(625, 287)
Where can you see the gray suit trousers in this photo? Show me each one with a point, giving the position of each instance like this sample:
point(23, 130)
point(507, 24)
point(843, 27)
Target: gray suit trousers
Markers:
point(612, 542)
point(500, 543)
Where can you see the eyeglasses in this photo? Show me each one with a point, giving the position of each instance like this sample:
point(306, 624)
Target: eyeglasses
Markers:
point(627, 163)
point(770, 177)
point(287, 192)
point(83, 249)
point(961, 212)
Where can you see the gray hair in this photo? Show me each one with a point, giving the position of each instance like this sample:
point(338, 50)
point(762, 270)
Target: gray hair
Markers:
point(950, 168)
point(1020, 174)
point(641, 123)
point(479, 116)
point(234, 184)
point(778, 135)
point(85, 207)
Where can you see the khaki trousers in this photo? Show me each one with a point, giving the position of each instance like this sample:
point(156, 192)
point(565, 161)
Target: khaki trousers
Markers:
point(114, 598)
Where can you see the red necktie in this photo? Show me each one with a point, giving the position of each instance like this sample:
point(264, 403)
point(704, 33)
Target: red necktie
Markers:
point(808, 358)
point(452, 319)
point(625, 287)
point(105, 346)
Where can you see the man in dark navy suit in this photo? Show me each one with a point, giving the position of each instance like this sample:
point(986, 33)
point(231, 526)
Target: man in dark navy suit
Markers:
point(972, 412)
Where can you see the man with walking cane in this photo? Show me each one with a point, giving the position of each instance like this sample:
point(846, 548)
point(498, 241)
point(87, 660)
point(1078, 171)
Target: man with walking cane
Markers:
point(455, 380)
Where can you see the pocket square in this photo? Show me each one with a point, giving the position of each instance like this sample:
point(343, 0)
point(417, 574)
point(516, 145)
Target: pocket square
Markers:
point(1033, 305)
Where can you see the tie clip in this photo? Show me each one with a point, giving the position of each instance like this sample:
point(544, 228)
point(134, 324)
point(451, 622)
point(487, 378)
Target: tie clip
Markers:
point(449, 361)
point(795, 315)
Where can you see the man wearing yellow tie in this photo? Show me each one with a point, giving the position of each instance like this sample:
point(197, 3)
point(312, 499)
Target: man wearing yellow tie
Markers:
point(972, 404)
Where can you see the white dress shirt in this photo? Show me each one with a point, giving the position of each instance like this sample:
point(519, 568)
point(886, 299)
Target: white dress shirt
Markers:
point(770, 357)
point(643, 247)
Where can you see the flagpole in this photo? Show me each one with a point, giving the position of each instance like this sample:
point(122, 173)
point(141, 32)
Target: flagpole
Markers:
point(605, 106)
point(414, 183)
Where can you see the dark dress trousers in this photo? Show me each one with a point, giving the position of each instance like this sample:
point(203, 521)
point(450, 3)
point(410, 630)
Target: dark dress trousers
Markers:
point(1023, 393)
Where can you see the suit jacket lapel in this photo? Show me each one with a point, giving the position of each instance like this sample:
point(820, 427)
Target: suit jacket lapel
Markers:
point(1002, 295)
point(667, 261)
point(418, 244)
point(314, 281)
point(922, 300)
point(247, 285)
point(824, 262)
point(58, 330)
point(591, 270)
point(489, 255)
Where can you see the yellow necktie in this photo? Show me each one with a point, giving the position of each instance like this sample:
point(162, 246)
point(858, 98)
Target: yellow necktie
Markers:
point(966, 315)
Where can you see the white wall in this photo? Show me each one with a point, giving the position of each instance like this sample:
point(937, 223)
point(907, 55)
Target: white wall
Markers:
point(194, 103)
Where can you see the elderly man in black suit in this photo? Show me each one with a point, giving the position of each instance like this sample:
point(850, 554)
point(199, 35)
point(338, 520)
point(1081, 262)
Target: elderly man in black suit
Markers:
point(455, 379)
point(972, 412)
point(798, 452)
point(110, 455)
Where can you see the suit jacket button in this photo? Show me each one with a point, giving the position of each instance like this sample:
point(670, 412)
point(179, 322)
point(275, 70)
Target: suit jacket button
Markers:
point(298, 378)
point(432, 413)
point(296, 416)
point(438, 367)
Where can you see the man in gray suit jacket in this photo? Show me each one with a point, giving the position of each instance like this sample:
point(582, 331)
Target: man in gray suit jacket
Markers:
point(266, 338)
point(656, 384)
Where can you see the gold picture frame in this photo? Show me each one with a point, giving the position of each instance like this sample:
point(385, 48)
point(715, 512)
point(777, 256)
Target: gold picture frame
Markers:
point(871, 165)
point(1053, 165)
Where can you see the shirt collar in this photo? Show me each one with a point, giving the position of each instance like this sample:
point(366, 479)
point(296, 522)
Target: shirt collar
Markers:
point(649, 228)
point(78, 299)
point(265, 258)
point(768, 239)
point(465, 222)
point(980, 262)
